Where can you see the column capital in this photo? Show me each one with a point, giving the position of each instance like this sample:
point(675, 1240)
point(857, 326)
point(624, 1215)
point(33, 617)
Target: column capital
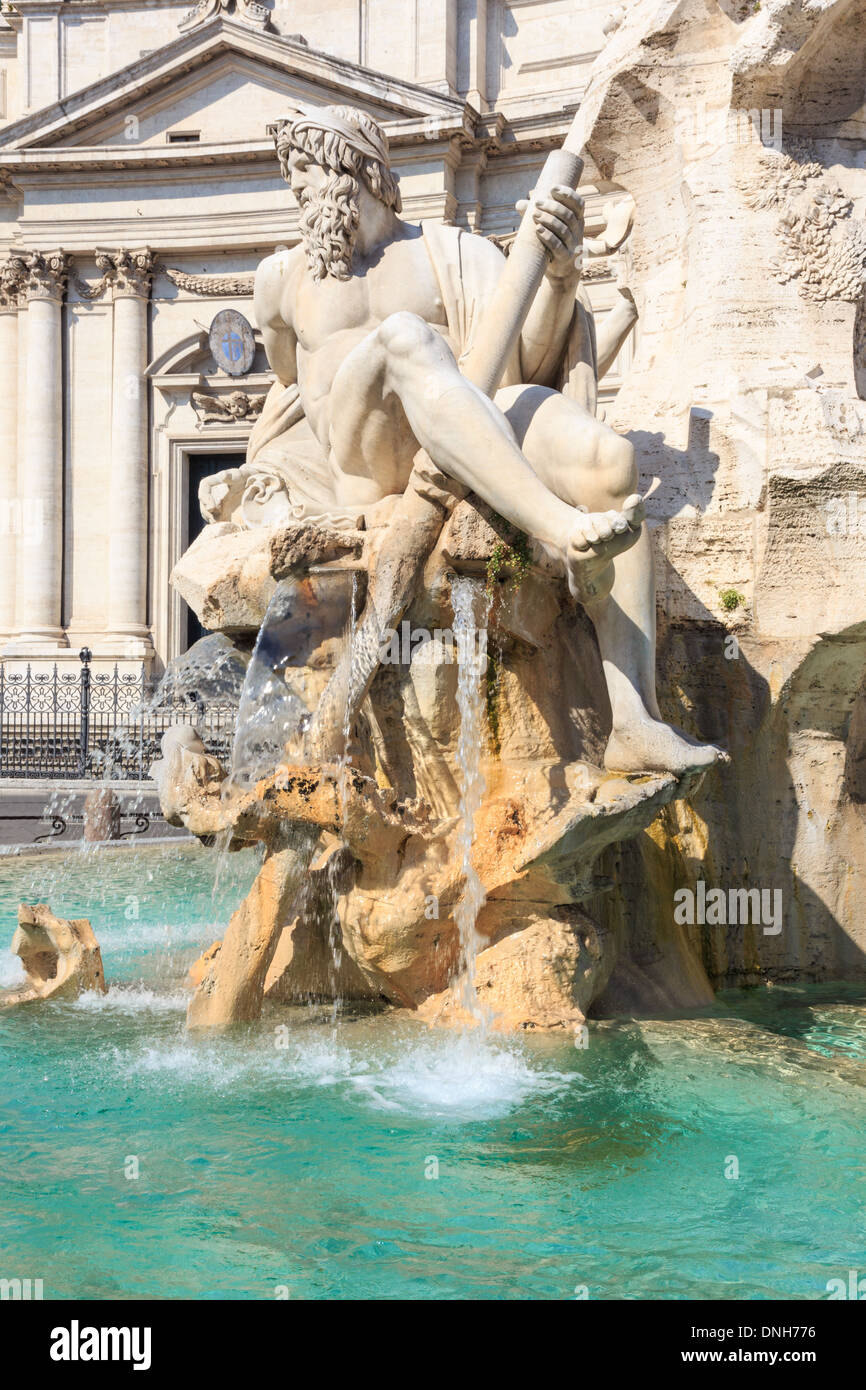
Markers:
point(13, 276)
point(130, 272)
point(46, 274)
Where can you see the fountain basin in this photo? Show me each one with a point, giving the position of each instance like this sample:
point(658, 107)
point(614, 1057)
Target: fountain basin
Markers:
point(455, 1168)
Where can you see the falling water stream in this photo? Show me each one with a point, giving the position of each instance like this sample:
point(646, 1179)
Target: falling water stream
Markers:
point(272, 718)
point(335, 936)
point(271, 715)
point(471, 608)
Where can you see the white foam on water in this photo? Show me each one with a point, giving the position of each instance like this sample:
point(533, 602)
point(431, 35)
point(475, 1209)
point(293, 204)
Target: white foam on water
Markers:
point(455, 1076)
point(220, 1062)
point(139, 935)
point(11, 970)
point(212, 1067)
point(317, 1061)
point(130, 999)
point(460, 1075)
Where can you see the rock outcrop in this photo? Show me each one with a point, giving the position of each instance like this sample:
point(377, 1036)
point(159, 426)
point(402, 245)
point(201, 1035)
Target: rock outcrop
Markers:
point(61, 958)
point(362, 875)
point(739, 129)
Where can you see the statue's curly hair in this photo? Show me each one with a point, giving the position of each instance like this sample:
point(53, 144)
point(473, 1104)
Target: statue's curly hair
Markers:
point(338, 156)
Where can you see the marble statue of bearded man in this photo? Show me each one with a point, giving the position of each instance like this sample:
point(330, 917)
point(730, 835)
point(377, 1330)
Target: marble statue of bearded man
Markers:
point(366, 324)
point(286, 475)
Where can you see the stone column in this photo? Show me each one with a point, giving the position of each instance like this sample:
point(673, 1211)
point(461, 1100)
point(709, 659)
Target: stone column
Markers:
point(132, 273)
point(476, 54)
point(39, 570)
point(11, 284)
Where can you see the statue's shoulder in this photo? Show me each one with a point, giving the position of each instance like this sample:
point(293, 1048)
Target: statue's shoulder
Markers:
point(468, 252)
point(273, 274)
point(276, 269)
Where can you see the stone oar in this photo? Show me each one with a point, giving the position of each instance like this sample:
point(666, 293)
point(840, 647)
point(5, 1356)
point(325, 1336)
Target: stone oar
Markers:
point(524, 270)
point(418, 518)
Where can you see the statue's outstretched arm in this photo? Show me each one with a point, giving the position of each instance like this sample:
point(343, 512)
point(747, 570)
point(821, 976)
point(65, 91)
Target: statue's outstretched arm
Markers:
point(559, 227)
point(613, 331)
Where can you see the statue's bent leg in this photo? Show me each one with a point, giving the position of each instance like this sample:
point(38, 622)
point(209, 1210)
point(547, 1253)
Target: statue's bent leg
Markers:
point(589, 464)
point(407, 362)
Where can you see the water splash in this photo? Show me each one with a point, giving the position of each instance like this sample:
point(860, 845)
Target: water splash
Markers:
point(201, 687)
point(132, 999)
point(471, 609)
point(271, 715)
point(221, 850)
point(454, 1075)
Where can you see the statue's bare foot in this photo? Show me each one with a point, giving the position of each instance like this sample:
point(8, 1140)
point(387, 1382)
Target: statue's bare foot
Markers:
point(648, 745)
point(595, 539)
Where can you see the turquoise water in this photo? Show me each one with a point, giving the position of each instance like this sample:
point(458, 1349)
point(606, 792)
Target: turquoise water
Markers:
point(296, 1162)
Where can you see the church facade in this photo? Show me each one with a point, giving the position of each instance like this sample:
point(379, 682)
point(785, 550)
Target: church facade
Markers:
point(139, 189)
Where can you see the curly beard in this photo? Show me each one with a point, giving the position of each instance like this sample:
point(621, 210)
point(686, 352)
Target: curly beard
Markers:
point(329, 227)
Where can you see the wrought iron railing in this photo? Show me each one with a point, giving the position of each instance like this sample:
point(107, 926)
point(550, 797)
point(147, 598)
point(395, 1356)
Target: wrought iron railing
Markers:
point(59, 822)
point(97, 724)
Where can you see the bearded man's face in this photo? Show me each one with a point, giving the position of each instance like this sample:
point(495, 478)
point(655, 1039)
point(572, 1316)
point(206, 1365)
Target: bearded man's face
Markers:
point(329, 215)
point(305, 177)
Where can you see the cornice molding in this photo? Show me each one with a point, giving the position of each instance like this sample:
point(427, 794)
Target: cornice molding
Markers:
point(56, 6)
point(402, 135)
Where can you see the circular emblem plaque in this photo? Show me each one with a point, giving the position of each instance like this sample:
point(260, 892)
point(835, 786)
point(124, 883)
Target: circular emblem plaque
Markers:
point(232, 342)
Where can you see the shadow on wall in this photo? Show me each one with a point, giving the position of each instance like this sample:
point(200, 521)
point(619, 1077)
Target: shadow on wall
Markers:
point(788, 815)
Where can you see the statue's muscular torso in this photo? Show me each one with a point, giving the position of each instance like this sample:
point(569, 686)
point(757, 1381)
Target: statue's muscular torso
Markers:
point(310, 327)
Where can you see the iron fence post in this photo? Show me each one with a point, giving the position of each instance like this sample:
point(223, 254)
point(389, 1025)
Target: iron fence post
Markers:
point(85, 656)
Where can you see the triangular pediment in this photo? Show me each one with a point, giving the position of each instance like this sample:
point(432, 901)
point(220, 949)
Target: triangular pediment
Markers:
point(223, 81)
point(228, 96)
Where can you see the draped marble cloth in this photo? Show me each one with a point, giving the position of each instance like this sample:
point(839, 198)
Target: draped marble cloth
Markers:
point(284, 455)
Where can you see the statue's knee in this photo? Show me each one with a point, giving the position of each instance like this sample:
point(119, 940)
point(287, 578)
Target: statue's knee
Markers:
point(617, 466)
point(406, 335)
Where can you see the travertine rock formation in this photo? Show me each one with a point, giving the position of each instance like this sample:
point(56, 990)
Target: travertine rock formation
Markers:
point(362, 872)
point(61, 958)
point(182, 771)
point(746, 400)
point(227, 585)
